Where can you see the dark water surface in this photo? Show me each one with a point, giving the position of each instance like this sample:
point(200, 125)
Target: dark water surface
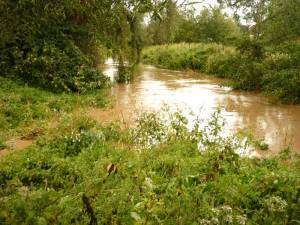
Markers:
point(189, 92)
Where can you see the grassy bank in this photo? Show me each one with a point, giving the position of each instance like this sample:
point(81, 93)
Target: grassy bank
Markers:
point(25, 111)
point(274, 71)
point(85, 173)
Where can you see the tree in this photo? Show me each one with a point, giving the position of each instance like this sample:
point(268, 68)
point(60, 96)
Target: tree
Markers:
point(162, 29)
point(56, 44)
point(282, 22)
point(45, 43)
point(254, 12)
point(214, 26)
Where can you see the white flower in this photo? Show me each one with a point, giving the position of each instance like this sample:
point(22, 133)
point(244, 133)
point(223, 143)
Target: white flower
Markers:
point(241, 219)
point(214, 220)
point(276, 204)
point(216, 211)
point(228, 218)
point(226, 209)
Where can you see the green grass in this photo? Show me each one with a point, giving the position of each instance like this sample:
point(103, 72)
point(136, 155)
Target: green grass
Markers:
point(24, 109)
point(86, 173)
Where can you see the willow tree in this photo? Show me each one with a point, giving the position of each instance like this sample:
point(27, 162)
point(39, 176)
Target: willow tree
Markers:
point(126, 32)
point(163, 29)
point(57, 44)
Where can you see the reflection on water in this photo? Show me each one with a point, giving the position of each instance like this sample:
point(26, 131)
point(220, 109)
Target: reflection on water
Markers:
point(202, 95)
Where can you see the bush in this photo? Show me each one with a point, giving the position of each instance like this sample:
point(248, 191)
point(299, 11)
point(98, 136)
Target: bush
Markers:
point(223, 64)
point(54, 69)
point(42, 47)
point(182, 56)
point(249, 75)
point(283, 84)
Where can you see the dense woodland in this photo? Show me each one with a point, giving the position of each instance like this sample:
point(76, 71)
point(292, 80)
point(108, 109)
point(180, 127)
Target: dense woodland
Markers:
point(79, 171)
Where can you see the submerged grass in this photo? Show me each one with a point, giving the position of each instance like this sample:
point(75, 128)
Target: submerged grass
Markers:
point(76, 175)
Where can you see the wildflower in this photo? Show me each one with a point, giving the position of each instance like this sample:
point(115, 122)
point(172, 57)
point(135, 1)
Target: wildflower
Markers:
point(214, 220)
point(276, 204)
point(228, 218)
point(216, 211)
point(226, 209)
point(241, 219)
point(205, 222)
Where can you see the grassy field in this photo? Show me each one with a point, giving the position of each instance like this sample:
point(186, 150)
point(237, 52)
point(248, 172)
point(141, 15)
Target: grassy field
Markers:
point(274, 71)
point(83, 172)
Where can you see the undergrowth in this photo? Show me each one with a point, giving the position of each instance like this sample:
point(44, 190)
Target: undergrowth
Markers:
point(25, 109)
point(156, 173)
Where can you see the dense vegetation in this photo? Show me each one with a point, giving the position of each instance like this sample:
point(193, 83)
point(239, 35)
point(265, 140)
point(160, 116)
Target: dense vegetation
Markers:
point(84, 173)
point(185, 25)
point(158, 171)
point(44, 44)
point(275, 71)
point(57, 45)
point(26, 111)
point(261, 56)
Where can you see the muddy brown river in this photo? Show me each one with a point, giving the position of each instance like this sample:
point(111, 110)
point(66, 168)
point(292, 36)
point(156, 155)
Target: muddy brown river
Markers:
point(153, 88)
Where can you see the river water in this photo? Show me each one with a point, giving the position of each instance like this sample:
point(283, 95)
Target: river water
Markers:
point(153, 88)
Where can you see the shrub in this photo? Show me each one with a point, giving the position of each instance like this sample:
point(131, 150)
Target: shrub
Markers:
point(248, 75)
point(182, 56)
point(55, 69)
point(283, 84)
point(42, 49)
point(223, 64)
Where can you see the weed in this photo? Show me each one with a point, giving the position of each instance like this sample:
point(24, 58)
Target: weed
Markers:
point(76, 174)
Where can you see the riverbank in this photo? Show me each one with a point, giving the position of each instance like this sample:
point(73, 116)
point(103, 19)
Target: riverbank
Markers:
point(84, 172)
point(26, 112)
point(276, 72)
point(81, 171)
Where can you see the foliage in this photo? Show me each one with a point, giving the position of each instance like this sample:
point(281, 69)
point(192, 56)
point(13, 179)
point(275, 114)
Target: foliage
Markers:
point(23, 108)
point(45, 43)
point(254, 12)
point(170, 182)
point(272, 21)
point(182, 56)
point(283, 22)
point(283, 84)
point(214, 26)
point(249, 66)
point(182, 25)
point(57, 45)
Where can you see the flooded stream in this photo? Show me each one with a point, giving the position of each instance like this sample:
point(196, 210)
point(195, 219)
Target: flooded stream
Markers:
point(189, 92)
